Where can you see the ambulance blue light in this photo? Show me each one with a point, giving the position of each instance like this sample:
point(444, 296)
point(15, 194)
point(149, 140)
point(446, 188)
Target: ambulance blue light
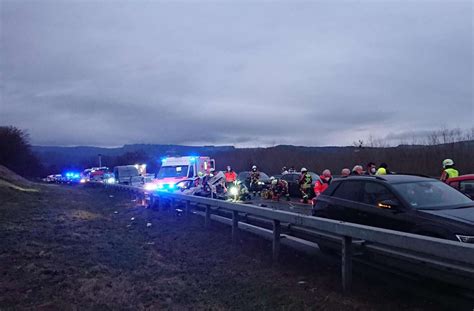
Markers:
point(72, 175)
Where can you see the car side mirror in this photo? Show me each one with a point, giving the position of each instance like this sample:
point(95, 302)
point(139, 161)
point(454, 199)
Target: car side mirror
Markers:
point(388, 204)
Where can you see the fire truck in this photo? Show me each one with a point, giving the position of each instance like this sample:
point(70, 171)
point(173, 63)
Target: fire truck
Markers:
point(176, 169)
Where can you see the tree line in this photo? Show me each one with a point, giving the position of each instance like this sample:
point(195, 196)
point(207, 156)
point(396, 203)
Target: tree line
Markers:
point(422, 155)
point(16, 154)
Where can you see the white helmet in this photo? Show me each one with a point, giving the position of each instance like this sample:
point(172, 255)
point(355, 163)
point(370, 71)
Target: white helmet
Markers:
point(304, 170)
point(447, 162)
point(254, 167)
point(274, 181)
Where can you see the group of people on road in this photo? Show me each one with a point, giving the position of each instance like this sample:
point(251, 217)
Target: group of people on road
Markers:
point(279, 187)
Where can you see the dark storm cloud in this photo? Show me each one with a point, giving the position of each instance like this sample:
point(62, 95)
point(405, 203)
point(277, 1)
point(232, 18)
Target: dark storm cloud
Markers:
point(251, 73)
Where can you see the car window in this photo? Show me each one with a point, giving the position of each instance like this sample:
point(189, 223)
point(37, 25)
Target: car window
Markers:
point(243, 175)
point(432, 195)
point(467, 186)
point(289, 177)
point(314, 176)
point(349, 190)
point(374, 193)
point(331, 188)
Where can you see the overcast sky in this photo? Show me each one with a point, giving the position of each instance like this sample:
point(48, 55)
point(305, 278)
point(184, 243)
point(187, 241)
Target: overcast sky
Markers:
point(247, 73)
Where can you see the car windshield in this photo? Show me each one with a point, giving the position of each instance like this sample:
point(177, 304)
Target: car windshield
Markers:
point(173, 171)
point(432, 195)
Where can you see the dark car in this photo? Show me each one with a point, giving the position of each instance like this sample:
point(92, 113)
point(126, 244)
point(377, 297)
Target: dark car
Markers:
point(293, 183)
point(400, 202)
point(244, 177)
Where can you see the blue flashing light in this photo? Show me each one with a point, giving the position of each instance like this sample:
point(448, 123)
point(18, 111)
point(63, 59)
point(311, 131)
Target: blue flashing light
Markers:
point(72, 175)
point(171, 186)
point(163, 160)
point(192, 159)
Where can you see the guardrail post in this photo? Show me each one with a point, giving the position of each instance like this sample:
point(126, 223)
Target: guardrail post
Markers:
point(346, 263)
point(276, 240)
point(235, 226)
point(207, 220)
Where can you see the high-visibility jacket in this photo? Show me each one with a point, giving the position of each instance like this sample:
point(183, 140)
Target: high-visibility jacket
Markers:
point(449, 173)
point(381, 171)
point(322, 185)
point(452, 172)
point(305, 180)
point(230, 176)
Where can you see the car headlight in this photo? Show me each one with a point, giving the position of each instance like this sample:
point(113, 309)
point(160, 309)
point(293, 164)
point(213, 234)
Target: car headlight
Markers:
point(233, 191)
point(465, 238)
point(261, 183)
point(111, 180)
point(150, 187)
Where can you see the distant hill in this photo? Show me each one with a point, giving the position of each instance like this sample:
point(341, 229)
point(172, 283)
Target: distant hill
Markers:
point(405, 158)
point(59, 158)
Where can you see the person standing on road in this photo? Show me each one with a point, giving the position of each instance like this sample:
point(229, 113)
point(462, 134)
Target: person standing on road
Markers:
point(383, 169)
point(345, 172)
point(230, 176)
point(323, 183)
point(254, 180)
point(371, 169)
point(357, 170)
point(448, 170)
point(305, 183)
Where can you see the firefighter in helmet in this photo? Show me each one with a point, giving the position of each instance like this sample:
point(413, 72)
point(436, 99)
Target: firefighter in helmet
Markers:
point(254, 181)
point(448, 170)
point(305, 183)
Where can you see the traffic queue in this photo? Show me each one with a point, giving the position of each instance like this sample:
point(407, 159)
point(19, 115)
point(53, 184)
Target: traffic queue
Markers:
point(197, 175)
point(374, 195)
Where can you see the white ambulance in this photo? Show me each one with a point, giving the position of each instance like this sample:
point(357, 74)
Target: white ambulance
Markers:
point(176, 169)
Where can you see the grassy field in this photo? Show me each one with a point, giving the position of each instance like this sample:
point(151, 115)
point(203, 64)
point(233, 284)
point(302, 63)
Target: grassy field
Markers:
point(71, 247)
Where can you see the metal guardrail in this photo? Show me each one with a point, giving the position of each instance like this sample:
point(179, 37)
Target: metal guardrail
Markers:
point(448, 261)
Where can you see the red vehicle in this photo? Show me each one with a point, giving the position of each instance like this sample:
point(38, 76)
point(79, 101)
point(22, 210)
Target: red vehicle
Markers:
point(464, 183)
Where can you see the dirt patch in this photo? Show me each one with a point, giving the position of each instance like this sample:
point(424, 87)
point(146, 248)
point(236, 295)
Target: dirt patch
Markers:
point(72, 247)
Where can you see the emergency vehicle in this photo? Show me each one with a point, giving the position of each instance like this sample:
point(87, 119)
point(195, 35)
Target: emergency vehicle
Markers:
point(176, 169)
